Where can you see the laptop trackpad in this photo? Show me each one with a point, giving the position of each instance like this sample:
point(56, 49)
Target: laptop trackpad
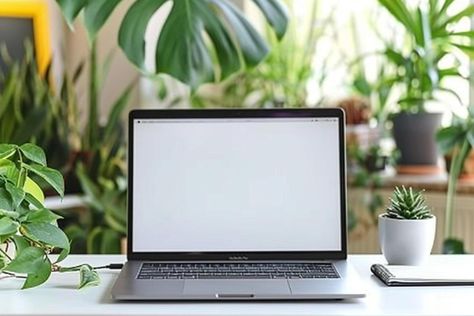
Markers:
point(237, 288)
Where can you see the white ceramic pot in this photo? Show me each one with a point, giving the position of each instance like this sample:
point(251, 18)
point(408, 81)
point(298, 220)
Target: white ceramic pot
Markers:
point(406, 241)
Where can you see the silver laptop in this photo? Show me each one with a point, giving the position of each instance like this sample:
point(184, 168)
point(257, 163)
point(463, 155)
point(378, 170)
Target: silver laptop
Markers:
point(237, 205)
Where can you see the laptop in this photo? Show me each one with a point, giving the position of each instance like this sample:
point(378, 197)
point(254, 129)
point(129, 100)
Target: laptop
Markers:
point(237, 205)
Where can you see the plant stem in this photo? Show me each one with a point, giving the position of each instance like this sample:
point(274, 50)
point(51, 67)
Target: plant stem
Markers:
point(20, 182)
point(93, 98)
point(5, 254)
point(455, 169)
point(13, 275)
point(57, 268)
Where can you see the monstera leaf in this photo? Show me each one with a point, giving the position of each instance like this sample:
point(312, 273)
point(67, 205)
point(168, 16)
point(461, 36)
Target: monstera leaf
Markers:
point(194, 32)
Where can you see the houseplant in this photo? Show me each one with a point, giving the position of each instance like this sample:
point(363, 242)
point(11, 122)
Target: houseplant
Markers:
point(30, 109)
point(281, 79)
point(407, 228)
point(182, 50)
point(428, 58)
point(457, 140)
point(26, 224)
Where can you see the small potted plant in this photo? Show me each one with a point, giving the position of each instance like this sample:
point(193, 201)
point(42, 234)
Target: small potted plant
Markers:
point(407, 228)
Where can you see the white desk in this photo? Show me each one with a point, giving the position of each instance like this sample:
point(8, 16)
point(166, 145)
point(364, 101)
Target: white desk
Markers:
point(60, 297)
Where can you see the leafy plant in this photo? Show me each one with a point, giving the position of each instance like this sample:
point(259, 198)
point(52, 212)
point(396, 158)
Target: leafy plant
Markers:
point(281, 79)
point(429, 58)
point(30, 109)
point(101, 229)
point(367, 165)
point(408, 204)
point(26, 224)
point(182, 50)
point(458, 140)
point(376, 90)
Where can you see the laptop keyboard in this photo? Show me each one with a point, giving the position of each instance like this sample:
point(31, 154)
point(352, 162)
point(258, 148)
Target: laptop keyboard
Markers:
point(237, 271)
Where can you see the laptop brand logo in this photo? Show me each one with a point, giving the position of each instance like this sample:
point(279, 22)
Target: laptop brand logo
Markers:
point(238, 258)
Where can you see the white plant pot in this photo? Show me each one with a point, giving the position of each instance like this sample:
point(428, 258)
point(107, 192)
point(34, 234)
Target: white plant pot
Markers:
point(406, 241)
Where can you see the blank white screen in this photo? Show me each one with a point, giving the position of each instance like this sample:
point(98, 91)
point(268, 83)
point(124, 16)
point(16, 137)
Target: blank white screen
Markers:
point(236, 185)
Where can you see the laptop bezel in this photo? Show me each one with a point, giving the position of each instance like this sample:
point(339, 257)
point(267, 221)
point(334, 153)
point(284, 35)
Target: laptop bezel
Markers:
point(238, 113)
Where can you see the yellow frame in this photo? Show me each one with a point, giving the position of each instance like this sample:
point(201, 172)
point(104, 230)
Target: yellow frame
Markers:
point(37, 10)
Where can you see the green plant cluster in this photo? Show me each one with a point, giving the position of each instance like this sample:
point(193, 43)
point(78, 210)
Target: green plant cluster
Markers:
point(430, 53)
point(408, 204)
point(182, 50)
point(26, 224)
point(458, 141)
point(30, 110)
point(281, 79)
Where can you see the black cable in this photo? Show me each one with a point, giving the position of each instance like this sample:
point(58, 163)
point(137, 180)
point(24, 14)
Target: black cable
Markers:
point(112, 266)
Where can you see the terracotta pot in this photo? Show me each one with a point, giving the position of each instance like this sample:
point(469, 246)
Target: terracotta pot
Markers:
point(467, 172)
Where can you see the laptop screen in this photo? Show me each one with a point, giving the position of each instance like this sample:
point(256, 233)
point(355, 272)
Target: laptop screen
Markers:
point(236, 185)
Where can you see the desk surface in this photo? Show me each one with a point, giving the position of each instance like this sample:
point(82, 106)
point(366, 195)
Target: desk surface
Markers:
point(60, 297)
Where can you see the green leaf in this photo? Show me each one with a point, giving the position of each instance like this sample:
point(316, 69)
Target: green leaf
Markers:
point(96, 13)
point(39, 276)
point(27, 261)
point(35, 122)
point(6, 202)
point(8, 226)
point(400, 11)
point(470, 138)
point(9, 170)
point(42, 216)
point(3, 262)
point(453, 246)
point(21, 243)
point(94, 240)
point(252, 46)
point(133, 28)
point(34, 190)
point(468, 50)
point(33, 201)
point(466, 12)
point(88, 277)
point(276, 14)
point(71, 9)
point(46, 233)
point(469, 34)
point(51, 176)
point(11, 214)
point(6, 151)
point(5, 166)
point(116, 113)
point(110, 242)
point(447, 138)
point(91, 190)
point(63, 254)
point(187, 57)
point(16, 194)
point(34, 153)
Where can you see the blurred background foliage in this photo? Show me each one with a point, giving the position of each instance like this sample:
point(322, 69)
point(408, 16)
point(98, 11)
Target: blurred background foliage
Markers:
point(371, 65)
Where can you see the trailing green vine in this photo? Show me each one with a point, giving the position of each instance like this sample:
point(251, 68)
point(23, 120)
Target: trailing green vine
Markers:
point(29, 234)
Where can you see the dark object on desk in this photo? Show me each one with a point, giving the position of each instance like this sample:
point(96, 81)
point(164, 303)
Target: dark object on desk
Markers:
point(421, 275)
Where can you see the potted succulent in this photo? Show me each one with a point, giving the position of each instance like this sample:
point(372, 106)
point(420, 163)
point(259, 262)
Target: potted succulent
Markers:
point(421, 69)
point(407, 228)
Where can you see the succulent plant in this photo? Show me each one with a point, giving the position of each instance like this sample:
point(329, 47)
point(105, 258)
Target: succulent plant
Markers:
point(408, 204)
